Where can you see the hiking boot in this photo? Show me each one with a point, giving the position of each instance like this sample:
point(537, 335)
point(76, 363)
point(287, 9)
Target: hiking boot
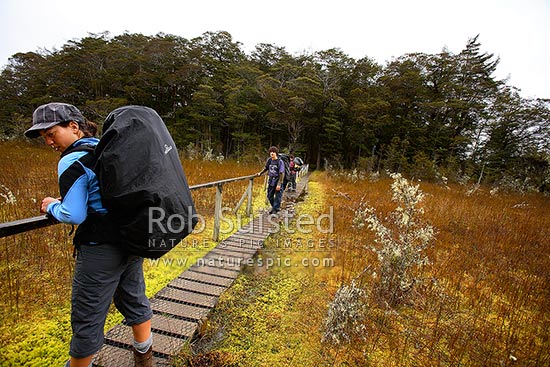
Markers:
point(143, 359)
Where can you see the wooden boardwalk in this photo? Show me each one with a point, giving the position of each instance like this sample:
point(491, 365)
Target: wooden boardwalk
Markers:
point(180, 307)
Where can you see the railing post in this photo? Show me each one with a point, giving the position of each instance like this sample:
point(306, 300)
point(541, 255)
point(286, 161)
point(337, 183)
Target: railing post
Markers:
point(249, 202)
point(217, 212)
point(266, 181)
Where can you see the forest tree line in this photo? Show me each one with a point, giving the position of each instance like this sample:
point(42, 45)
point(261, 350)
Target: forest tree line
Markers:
point(429, 116)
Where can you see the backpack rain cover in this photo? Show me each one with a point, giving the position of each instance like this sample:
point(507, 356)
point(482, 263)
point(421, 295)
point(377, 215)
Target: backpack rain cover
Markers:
point(142, 182)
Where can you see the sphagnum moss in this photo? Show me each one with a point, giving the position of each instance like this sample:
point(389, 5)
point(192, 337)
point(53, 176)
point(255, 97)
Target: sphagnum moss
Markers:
point(272, 315)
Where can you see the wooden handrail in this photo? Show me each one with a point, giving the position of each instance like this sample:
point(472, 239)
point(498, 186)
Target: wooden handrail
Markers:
point(221, 182)
point(41, 221)
point(24, 225)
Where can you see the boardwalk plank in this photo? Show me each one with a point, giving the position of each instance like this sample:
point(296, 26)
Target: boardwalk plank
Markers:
point(163, 324)
point(204, 268)
point(243, 244)
point(193, 298)
point(239, 246)
point(111, 356)
point(230, 264)
point(234, 252)
point(206, 278)
point(164, 344)
point(192, 286)
point(178, 309)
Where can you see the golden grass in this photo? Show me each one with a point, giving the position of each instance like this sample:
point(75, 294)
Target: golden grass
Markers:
point(485, 297)
point(484, 300)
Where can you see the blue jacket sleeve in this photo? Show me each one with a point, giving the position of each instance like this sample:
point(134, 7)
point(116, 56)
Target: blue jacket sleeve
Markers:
point(73, 185)
point(73, 208)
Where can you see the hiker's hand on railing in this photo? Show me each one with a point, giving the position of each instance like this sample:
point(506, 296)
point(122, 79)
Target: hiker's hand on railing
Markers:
point(45, 202)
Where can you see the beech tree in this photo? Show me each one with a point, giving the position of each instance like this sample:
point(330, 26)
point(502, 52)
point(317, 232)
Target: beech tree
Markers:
point(425, 115)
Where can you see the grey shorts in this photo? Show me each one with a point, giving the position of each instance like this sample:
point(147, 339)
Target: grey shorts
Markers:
point(104, 273)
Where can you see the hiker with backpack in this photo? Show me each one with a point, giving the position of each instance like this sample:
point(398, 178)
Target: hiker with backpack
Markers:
point(292, 176)
point(103, 270)
point(275, 169)
point(295, 166)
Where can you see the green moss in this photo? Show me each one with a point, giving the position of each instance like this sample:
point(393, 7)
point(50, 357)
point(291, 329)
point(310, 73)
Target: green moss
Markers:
point(43, 342)
point(261, 316)
point(272, 314)
point(43, 339)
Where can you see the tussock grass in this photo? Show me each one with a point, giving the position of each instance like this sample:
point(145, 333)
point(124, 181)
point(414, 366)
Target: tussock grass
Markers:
point(482, 300)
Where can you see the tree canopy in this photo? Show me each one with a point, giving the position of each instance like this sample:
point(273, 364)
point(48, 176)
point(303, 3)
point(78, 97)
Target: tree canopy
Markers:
point(426, 115)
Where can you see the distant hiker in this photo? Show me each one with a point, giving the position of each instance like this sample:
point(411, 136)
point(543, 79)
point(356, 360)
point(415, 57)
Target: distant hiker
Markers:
point(292, 175)
point(276, 174)
point(286, 162)
point(103, 271)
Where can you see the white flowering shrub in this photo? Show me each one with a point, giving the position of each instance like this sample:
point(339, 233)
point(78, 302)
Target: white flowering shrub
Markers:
point(192, 151)
point(7, 195)
point(208, 155)
point(401, 242)
point(354, 175)
point(374, 176)
point(508, 183)
point(345, 319)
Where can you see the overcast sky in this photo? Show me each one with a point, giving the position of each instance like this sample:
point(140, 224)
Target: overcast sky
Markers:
point(517, 31)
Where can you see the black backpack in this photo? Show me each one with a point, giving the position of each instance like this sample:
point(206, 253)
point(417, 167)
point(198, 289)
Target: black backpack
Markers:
point(142, 183)
point(286, 160)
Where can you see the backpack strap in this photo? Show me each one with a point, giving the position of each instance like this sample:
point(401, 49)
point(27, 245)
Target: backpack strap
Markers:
point(97, 228)
point(79, 148)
